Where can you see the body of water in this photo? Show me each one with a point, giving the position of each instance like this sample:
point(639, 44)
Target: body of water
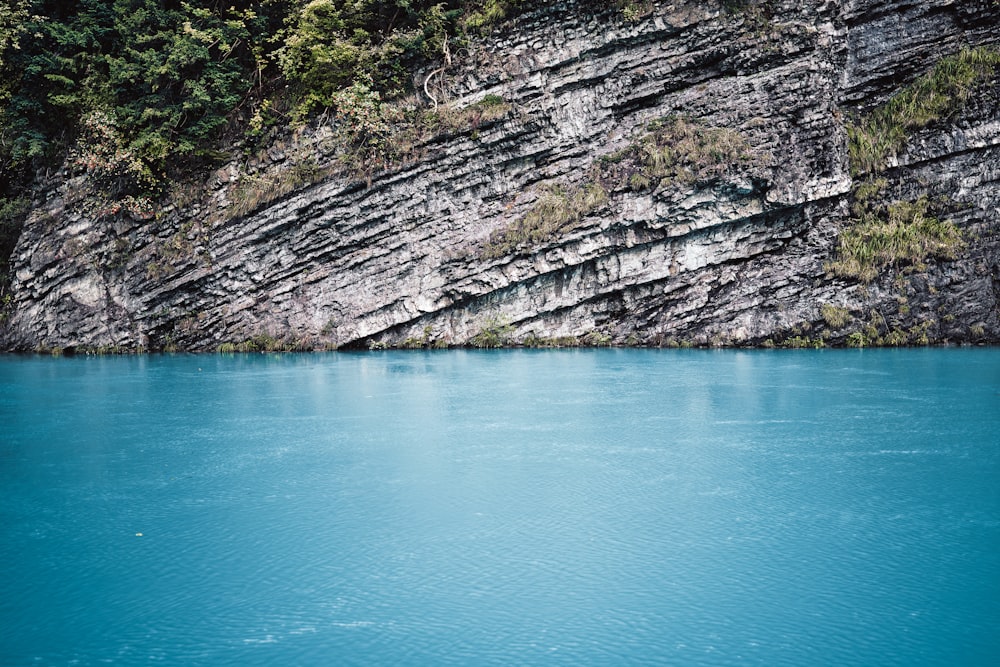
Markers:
point(581, 507)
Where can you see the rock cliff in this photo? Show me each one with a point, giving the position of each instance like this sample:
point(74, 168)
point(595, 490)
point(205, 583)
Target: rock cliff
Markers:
point(677, 176)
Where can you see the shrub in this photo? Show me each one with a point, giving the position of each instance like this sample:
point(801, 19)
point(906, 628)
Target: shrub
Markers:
point(120, 178)
point(866, 191)
point(857, 339)
point(496, 332)
point(802, 342)
point(535, 341)
point(252, 191)
point(263, 343)
point(918, 333)
point(895, 338)
point(633, 11)
point(490, 13)
point(445, 119)
point(148, 85)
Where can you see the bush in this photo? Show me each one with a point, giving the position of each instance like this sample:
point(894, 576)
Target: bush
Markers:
point(117, 174)
point(857, 339)
point(489, 13)
point(164, 80)
point(496, 332)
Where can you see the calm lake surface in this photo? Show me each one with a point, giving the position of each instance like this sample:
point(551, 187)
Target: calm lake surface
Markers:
point(606, 507)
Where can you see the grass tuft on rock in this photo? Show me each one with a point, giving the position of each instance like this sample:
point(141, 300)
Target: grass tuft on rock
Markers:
point(902, 233)
point(674, 151)
point(881, 134)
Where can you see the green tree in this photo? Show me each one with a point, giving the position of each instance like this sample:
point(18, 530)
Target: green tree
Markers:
point(139, 87)
point(165, 76)
point(329, 45)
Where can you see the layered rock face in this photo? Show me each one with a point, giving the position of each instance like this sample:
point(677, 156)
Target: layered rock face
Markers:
point(411, 256)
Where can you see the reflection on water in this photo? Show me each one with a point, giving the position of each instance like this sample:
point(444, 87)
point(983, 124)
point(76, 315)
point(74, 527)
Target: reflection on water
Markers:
point(520, 507)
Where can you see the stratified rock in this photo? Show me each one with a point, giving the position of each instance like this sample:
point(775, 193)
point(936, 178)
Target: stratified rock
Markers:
point(738, 258)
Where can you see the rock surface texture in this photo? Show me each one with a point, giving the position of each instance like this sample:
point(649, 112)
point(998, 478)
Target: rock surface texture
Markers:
point(404, 258)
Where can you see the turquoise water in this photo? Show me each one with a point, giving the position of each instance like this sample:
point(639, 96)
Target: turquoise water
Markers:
point(612, 507)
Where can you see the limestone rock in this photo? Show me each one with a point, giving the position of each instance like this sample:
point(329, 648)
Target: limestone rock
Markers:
point(739, 258)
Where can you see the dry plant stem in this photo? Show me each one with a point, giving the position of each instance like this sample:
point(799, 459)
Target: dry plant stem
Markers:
point(447, 64)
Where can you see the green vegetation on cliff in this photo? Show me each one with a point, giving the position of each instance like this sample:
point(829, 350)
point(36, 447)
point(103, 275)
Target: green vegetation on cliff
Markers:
point(675, 151)
point(137, 92)
point(895, 235)
point(881, 134)
point(141, 85)
point(904, 233)
point(140, 88)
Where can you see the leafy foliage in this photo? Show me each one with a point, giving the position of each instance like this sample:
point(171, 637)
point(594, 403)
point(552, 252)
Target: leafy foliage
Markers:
point(167, 78)
point(836, 317)
point(117, 173)
point(496, 332)
point(161, 79)
point(489, 12)
point(329, 46)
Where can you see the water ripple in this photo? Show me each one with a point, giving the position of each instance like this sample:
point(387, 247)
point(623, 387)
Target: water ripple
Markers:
point(611, 507)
